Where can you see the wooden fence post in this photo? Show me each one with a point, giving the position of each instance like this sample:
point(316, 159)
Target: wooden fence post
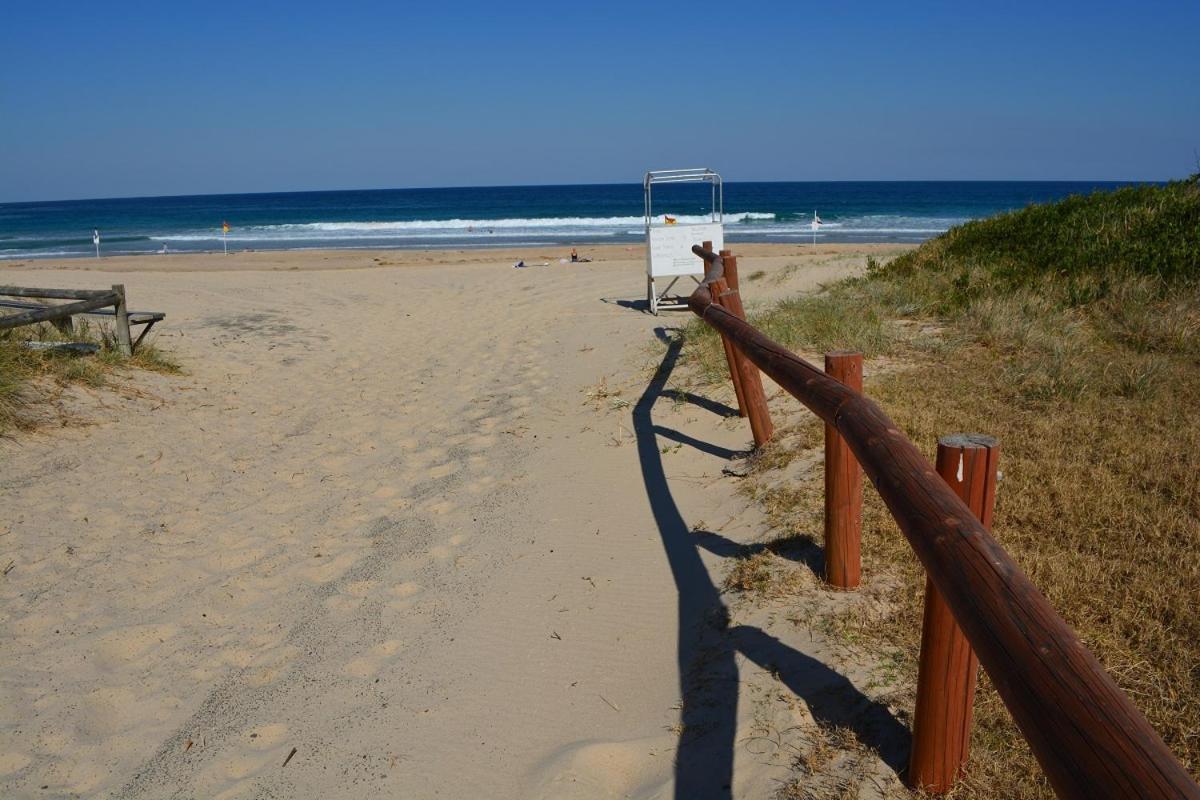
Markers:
point(949, 667)
point(731, 271)
point(752, 389)
point(124, 343)
point(66, 325)
point(733, 359)
point(843, 486)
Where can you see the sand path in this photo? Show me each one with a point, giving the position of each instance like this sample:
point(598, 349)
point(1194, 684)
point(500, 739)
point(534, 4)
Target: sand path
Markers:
point(378, 521)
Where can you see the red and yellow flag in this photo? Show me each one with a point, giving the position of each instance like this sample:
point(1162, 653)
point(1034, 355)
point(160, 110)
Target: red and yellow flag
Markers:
point(224, 227)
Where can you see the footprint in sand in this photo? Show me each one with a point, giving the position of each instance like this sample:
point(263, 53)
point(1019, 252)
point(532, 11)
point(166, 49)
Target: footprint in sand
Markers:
point(442, 507)
point(481, 484)
point(372, 661)
point(442, 470)
point(432, 454)
point(233, 559)
point(444, 551)
point(13, 762)
point(350, 596)
point(403, 594)
point(128, 644)
point(81, 778)
point(359, 588)
point(481, 443)
point(107, 710)
point(406, 589)
point(329, 568)
point(236, 767)
point(264, 737)
point(270, 665)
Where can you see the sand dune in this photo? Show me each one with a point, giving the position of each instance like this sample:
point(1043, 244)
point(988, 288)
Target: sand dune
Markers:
point(384, 520)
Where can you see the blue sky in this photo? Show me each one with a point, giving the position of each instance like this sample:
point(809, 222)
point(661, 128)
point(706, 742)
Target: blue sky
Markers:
point(119, 99)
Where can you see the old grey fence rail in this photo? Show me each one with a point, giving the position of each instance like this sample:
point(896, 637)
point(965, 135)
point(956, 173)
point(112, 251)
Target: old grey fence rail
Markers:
point(86, 301)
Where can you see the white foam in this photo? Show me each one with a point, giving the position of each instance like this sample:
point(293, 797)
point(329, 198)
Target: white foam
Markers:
point(41, 254)
point(457, 228)
point(507, 232)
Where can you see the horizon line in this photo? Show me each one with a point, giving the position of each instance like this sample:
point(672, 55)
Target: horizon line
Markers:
point(588, 184)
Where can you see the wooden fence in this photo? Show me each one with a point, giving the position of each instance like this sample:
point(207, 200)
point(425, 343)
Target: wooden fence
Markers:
point(980, 608)
point(87, 301)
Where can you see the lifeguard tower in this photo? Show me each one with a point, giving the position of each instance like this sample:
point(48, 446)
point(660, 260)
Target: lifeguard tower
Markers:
point(669, 242)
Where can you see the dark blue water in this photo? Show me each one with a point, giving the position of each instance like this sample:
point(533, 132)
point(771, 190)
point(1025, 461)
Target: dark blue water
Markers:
point(509, 216)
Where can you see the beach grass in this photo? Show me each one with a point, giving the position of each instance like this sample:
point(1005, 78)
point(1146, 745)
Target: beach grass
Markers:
point(1070, 331)
point(29, 377)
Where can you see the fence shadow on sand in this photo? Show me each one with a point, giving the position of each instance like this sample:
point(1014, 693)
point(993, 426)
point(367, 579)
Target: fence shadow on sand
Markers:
point(707, 645)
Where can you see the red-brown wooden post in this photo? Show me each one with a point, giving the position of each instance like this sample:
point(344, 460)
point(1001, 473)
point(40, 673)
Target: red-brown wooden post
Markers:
point(752, 389)
point(843, 486)
point(733, 359)
point(731, 272)
point(731, 279)
point(946, 678)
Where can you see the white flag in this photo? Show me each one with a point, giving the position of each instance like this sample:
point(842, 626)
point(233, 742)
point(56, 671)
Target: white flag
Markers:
point(95, 237)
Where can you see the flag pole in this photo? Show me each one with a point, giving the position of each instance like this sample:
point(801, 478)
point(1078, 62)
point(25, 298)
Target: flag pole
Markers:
point(96, 240)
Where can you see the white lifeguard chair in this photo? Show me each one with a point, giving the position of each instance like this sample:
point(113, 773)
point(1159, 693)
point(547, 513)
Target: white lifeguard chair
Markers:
point(669, 245)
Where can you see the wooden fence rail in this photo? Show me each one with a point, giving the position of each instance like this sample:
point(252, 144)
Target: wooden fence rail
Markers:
point(1090, 739)
point(88, 300)
point(53, 294)
point(54, 313)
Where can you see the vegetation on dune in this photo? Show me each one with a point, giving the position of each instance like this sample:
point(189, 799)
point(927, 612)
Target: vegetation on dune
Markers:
point(1071, 331)
point(28, 378)
point(1147, 230)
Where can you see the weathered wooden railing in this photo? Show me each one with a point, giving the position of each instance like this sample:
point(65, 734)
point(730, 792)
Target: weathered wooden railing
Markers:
point(88, 300)
point(1090, 739)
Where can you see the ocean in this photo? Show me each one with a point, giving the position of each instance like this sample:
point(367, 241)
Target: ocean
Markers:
point(508, 216)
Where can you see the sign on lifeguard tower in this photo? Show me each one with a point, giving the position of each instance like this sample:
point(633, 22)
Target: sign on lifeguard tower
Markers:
point(669, 238)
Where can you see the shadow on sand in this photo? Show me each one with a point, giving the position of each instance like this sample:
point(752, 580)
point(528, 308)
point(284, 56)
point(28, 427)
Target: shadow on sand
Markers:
point(633, 305)
point(799, 549)
point(643, 305)
point(707, 644)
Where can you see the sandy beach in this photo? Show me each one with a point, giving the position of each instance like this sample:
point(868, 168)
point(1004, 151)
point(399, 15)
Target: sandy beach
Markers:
point(410, 524)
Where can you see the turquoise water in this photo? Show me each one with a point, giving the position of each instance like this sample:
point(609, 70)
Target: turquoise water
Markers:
point(508, 216)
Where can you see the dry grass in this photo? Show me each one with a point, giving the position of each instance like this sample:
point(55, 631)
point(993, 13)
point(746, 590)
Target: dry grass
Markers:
point(1091, 381)
point(1099, 505)
point(751, 574)
point(28, 378)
